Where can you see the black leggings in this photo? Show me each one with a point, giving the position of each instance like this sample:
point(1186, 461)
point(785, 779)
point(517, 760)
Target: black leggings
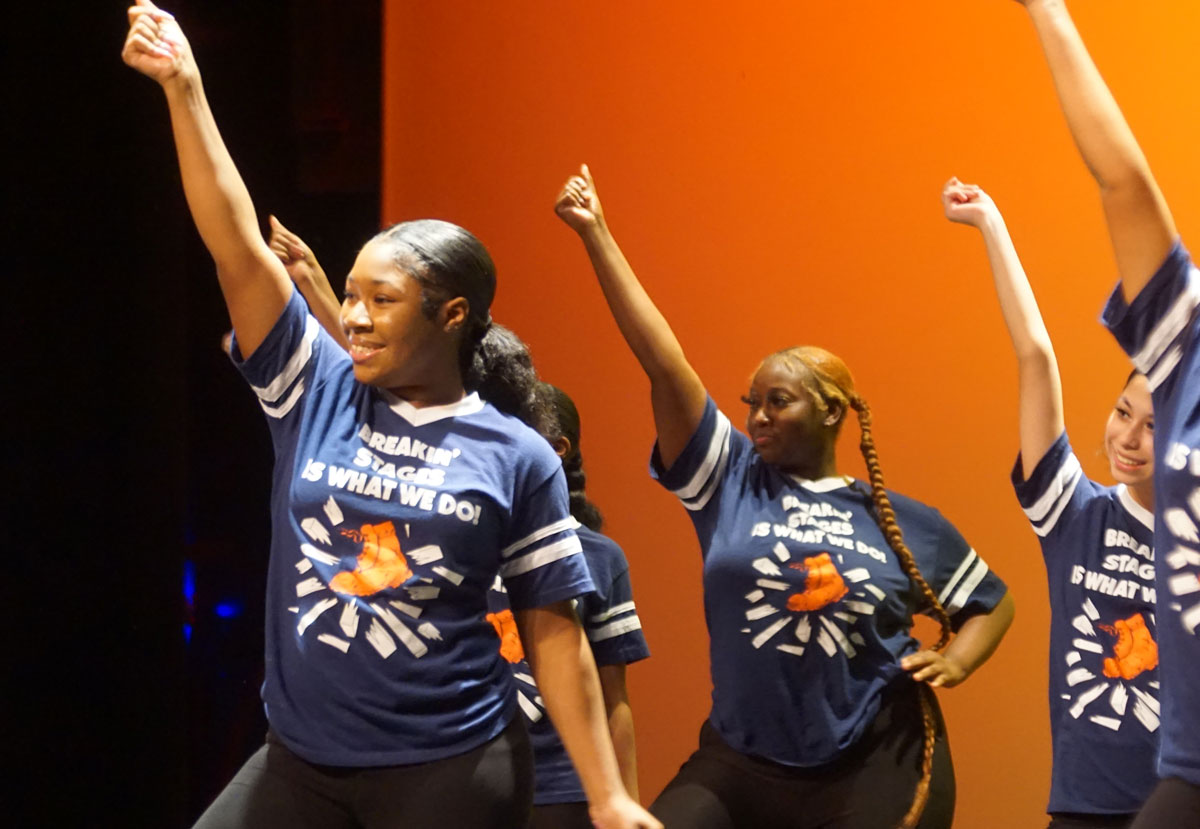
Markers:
point(490, 787)
point(1080, 820)
point(870, 786)
point(1173, 803)
point(561, 816)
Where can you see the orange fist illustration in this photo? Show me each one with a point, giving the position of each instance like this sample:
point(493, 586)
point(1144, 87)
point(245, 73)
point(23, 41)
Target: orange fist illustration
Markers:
point(822, 586)
point(380, 566)
point(1135, 650)
point(510, 640)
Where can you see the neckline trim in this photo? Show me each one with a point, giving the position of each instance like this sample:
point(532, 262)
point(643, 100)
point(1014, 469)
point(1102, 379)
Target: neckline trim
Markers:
point(424, 415)
point(823, 484)
point(1144, 516)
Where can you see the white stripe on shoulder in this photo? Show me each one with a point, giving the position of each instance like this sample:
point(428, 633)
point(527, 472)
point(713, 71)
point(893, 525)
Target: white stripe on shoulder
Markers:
point(718, 447)
point(963, 566)
point(287, 405)
point(1170, 325)
point(1144, 516)
point(615, 610)
point(542, 556)
point(292, 368)
point(568, 523)
point(968, 587)
point(614, 629)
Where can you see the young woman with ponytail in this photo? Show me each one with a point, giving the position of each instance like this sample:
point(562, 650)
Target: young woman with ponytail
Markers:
point(1103, 654)
point(399, 494)
point(610, 621)
point(811, 580)
point(1153, 315)
point(608, 614)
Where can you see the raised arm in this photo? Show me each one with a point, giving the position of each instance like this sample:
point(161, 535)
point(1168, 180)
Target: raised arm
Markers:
point(252, 279)
point(1139, 222)
point(1040, 388)
point(676, 393)
point(562, 663)
point(309, 277)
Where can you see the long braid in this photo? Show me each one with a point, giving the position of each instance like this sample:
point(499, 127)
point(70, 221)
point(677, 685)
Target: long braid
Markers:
point(885, 515)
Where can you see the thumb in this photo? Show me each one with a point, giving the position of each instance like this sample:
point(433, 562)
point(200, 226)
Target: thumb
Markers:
point(587, 174)
point(275, 223)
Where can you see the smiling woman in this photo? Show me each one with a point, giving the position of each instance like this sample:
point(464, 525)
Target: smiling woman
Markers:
point(821, 714)
point(1093, 729)
point(388, 702)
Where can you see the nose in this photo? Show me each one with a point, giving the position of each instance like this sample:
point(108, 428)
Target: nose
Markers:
point(1131, 436)
point(759, 415)
point(355, 316)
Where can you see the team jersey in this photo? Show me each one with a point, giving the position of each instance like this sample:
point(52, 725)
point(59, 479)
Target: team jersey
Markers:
point(808, 610)
point(1098, 546)
point(389, 526)
point(1159, 331)
point(614, 632)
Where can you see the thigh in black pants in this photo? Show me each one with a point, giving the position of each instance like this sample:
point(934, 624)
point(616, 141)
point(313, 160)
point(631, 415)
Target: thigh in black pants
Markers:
point(490, 787)
point(1173, 803)
point(561, 816)
point(869, 787)
point(1078, 820)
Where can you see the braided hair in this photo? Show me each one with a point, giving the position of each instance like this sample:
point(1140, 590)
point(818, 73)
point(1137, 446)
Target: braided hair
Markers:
point(565, 424)
point(828, 380)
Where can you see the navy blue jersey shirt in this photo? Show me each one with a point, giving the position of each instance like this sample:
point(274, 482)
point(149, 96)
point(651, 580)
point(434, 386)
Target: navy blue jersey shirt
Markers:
point(1097, 543)
point(389, 526)
point(808, 610)
point(1159, 331)
point(614, 632)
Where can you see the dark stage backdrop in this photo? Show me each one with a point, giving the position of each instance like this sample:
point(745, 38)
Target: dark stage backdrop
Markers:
point(137, 464)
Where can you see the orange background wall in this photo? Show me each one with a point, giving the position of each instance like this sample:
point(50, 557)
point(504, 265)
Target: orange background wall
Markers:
point(772, 170)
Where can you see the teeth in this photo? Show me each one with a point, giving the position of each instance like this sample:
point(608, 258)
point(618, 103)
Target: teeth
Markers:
point(1128, 461)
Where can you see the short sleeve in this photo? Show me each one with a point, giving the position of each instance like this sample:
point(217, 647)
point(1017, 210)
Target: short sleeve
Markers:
point(280, 371)
point(610, 619)
point(542, 561)
point(962, 580)
point(1159, 326)
point(702, 468)
point(1054, 491)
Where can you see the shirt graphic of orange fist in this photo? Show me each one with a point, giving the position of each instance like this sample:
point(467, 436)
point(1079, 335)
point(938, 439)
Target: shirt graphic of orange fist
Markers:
point(822, 586)
point(380, 565)
point(1135, 650)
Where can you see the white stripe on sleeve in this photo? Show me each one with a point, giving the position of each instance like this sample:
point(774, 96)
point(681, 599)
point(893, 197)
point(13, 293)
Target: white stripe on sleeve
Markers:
point(1170, 325)
point(568, 523)
point(1164, 367)
point(541, 556)
point(966, 563)
point(287, 405)
point(1043, 514)
point(614, 629)
point(295, 364)
point(718, 447)
point(968, 587)
point(615, 610)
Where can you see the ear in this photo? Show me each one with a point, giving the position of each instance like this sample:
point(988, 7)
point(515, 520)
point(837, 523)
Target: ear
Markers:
point(453, 314)
point(561, 446)
point(835, 412)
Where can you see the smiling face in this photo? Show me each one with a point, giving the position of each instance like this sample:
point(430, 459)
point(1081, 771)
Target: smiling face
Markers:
point(1129, 435)
point(791, 428)
point(393, 344)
